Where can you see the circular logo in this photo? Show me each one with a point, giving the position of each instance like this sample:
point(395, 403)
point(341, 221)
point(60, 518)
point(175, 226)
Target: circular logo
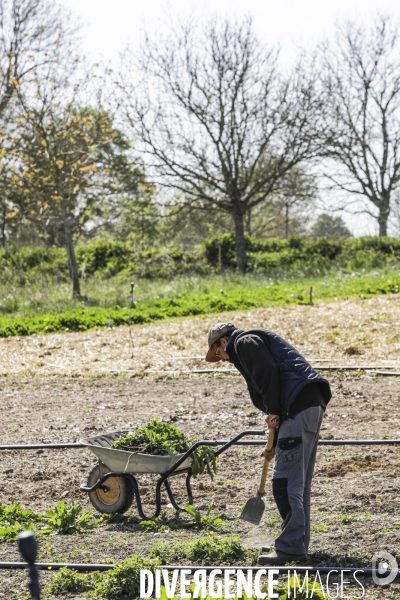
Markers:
point(384, 568)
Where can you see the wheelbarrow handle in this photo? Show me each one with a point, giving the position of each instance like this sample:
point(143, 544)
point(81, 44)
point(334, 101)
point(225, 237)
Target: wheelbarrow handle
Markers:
point(237, 438)
point(268, 448)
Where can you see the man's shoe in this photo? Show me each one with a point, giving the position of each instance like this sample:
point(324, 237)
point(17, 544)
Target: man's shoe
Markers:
point(279, 559)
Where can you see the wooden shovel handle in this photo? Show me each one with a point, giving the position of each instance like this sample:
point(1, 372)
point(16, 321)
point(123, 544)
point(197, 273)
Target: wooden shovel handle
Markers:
point(268, 447)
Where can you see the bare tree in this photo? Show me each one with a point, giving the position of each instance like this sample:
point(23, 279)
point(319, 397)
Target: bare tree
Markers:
point(361, 84)
point(219, 122)
point(30, 32)
point(296, 194)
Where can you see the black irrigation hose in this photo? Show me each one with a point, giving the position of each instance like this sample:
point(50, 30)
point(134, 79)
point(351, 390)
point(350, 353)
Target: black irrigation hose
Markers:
point(106, 567)
point(299, 570)
point(210, 443)
point(41, 446)
point(56, 566)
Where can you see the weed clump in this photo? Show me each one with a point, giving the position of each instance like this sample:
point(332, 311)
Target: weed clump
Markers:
point(14, 519)
point(68, 580)
point(123, 580)
point(68, 519)
point(62, 519)
point(163, 523)
point(205, 549)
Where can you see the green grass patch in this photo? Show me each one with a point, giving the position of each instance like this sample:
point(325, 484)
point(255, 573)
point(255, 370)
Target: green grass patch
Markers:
point(164, 523)
point(347, 519)
point(210, 549)
point(319, 528)
point(213, 295)
point(70, 519)
point(69, 581)
point(123, 580)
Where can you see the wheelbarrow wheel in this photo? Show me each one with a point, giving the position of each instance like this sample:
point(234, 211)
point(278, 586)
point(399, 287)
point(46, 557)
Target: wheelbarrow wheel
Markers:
point(114, 496)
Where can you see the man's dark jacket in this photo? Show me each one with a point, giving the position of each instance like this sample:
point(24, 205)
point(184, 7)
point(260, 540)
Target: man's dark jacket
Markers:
point(275, 372)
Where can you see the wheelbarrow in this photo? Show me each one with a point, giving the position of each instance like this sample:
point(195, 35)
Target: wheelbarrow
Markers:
point(112, 485)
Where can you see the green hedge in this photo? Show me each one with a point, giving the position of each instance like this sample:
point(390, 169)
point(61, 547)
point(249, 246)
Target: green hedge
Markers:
point(297, 252)
point(100, 258)
point(106, 259)
point(19, 265)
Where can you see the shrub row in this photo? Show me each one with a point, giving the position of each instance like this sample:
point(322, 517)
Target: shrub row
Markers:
point(272, 254)
point(108, 258)
point(101, 258)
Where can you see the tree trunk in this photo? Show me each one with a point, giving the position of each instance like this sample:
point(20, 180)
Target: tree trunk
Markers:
point(287, 219)
point(384, 210)
point(3, 227)
point(240, 242)
point(248, 222)
point(72, 265)
point(73, 269)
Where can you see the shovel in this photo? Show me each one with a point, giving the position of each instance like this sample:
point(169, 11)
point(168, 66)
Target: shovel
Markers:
point(254, 509)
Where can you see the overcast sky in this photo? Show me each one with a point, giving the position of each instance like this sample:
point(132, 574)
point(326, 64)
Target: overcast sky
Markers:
point(110, 24)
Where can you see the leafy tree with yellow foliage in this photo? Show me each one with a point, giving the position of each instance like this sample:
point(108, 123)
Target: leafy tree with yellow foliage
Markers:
point(35, 37)
point(67, 156)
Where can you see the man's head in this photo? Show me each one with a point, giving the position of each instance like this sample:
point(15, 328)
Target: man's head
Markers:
point(218, 337)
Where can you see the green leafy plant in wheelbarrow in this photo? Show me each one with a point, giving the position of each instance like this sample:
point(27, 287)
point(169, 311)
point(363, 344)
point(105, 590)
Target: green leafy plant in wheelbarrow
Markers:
point(163, 439)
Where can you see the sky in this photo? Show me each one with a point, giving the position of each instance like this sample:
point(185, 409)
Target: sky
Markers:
point(292, 23)
point(110, 24)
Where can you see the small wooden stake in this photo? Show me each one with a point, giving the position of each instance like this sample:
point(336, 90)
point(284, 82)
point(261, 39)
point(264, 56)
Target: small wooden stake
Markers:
point(311, 295)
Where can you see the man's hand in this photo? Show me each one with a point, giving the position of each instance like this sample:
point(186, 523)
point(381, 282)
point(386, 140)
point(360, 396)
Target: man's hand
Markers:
point(273, 421)
point(268, 455)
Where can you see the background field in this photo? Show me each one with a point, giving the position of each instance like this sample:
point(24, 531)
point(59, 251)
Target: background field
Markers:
point(35, 295)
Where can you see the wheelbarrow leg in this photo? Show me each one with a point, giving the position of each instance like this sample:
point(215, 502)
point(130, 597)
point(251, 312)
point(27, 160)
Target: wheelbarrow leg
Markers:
point(189, 487)
point(138, 498)
point(162, 480)
point(171, 496)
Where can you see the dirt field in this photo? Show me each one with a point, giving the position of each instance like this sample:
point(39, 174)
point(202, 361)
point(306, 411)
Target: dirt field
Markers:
point(360, 331)
point(355, 510)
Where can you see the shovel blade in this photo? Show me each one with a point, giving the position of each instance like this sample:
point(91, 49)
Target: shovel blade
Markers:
point(253, 511)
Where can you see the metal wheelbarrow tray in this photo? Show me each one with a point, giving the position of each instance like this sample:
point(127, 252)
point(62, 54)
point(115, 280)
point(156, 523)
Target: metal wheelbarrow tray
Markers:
point(112, 485)
point(123, 461)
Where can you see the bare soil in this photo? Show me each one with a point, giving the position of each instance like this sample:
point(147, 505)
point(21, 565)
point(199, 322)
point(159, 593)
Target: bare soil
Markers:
point(355, 504)
point(355, 495)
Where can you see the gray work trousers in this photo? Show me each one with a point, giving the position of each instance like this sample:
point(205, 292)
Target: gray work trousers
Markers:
point(295, 456)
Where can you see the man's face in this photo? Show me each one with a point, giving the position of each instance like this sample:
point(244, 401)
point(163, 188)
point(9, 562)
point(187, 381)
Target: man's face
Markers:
point(220, 349)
